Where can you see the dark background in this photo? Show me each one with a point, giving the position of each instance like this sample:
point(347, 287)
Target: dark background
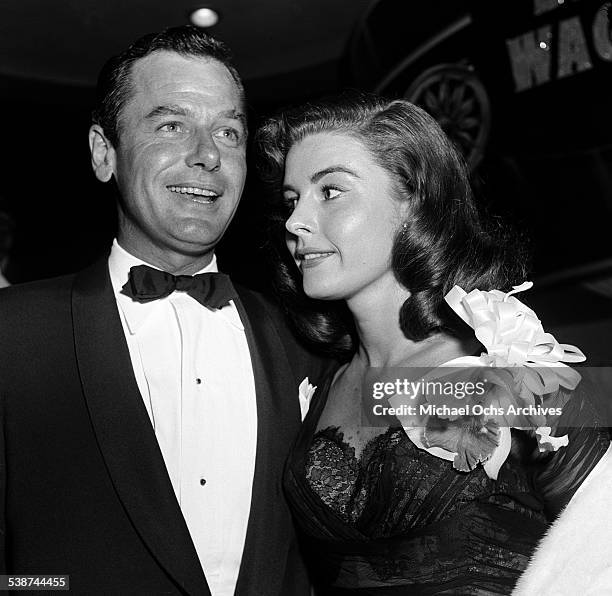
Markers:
point(546, 163)
point(50, 53)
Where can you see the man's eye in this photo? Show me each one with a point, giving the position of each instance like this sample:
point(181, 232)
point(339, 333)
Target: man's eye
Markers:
point(230, 135)
point(171, 127)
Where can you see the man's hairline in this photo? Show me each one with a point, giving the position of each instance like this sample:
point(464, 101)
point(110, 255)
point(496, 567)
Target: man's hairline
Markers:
point(130, 82)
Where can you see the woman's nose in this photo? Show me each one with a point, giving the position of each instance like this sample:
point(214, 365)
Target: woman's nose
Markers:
point(302, 221)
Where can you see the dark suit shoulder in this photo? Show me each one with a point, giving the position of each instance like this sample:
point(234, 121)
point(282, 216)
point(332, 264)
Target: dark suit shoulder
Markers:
point(34, 310)
point(266, 301)
point(304, 360)
point(35, 293)
point(268, 307)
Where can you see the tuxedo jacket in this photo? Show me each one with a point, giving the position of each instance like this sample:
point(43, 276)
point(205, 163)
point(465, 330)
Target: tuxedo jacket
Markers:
point(83, 486)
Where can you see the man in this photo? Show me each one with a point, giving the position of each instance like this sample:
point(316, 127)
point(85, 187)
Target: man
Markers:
point(6, 241)
point(144, 431)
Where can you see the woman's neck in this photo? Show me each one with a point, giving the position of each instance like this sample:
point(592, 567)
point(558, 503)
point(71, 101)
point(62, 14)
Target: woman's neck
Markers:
point(382, 341)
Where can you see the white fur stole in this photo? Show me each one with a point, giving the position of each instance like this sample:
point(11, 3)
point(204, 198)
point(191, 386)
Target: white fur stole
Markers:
point(575, 556)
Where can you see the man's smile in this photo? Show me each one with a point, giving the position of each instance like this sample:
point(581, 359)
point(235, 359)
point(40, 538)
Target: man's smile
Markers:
point(199, 194)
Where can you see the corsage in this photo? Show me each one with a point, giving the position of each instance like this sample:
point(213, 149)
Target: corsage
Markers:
point(305, 393)
point(523, 367)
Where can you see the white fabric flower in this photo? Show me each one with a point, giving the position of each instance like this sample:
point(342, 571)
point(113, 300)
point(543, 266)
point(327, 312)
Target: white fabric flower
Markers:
point(306, 391)
point(533, 370)
point(514, 337)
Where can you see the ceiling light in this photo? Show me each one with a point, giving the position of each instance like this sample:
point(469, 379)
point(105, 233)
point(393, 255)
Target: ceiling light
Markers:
point(204, 17)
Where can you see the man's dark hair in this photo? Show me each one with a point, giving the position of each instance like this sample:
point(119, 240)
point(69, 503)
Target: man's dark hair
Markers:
point(443, 242)
point(114, 84)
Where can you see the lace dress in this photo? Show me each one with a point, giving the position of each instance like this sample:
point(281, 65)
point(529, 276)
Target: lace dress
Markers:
point(399, 521)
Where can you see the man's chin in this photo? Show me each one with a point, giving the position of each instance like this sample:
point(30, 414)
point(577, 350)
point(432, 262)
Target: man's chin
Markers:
point(195, 246)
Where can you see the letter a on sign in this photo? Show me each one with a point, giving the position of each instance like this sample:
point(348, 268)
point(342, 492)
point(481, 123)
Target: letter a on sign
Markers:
point(530, 62)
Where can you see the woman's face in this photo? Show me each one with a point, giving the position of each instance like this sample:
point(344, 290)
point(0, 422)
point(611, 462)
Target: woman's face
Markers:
point(344, 217)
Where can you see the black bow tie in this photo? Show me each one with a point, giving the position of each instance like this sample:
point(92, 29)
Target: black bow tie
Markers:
point(145, 284)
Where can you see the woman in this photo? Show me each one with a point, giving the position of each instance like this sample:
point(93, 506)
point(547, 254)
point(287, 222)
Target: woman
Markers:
point(380, 221)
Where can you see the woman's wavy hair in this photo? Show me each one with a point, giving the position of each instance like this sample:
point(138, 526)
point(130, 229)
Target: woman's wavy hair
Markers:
point(443, 242)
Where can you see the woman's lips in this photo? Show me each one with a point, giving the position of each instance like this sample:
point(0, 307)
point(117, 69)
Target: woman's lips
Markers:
point(312, 259)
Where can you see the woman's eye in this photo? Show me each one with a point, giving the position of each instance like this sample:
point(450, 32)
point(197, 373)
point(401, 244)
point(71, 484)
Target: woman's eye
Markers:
point(330, 192)
point(290, 202)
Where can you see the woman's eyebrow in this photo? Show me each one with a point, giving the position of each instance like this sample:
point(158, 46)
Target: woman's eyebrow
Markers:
point(332, 169)
point(321, 173)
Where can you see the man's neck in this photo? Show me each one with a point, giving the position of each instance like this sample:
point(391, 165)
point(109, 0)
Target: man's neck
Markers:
point(177, 264)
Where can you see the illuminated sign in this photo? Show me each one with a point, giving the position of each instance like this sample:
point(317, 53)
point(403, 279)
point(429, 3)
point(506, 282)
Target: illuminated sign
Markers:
point(531, 53)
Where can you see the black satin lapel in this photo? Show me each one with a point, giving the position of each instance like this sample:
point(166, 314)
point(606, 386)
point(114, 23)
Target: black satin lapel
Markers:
point(124, 432)
point(278, 420)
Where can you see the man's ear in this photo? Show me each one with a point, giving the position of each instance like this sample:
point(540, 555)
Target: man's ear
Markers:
point(103, 156)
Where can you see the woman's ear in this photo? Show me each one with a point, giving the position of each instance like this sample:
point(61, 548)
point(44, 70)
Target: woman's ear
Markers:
point(403, 216)
point(103, 155)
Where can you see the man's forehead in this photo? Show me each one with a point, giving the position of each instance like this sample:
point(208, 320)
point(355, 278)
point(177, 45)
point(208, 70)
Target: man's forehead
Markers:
point(164, 72)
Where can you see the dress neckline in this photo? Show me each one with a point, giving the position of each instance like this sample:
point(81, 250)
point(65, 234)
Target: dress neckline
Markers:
point(296, 465)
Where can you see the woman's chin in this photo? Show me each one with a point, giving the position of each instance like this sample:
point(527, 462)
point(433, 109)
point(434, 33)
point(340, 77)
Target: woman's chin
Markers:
point(322, 292)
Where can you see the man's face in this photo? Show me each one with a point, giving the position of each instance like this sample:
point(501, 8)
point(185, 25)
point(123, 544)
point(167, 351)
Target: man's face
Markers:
point(180, 161)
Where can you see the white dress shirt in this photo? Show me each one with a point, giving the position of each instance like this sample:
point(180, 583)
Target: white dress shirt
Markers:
point(193, 369)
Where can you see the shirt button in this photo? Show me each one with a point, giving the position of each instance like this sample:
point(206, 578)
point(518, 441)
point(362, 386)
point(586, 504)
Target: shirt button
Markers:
point(202, 481)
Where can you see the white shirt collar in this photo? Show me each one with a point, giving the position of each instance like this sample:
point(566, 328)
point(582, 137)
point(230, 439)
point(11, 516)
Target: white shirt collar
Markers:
point(119, 264)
